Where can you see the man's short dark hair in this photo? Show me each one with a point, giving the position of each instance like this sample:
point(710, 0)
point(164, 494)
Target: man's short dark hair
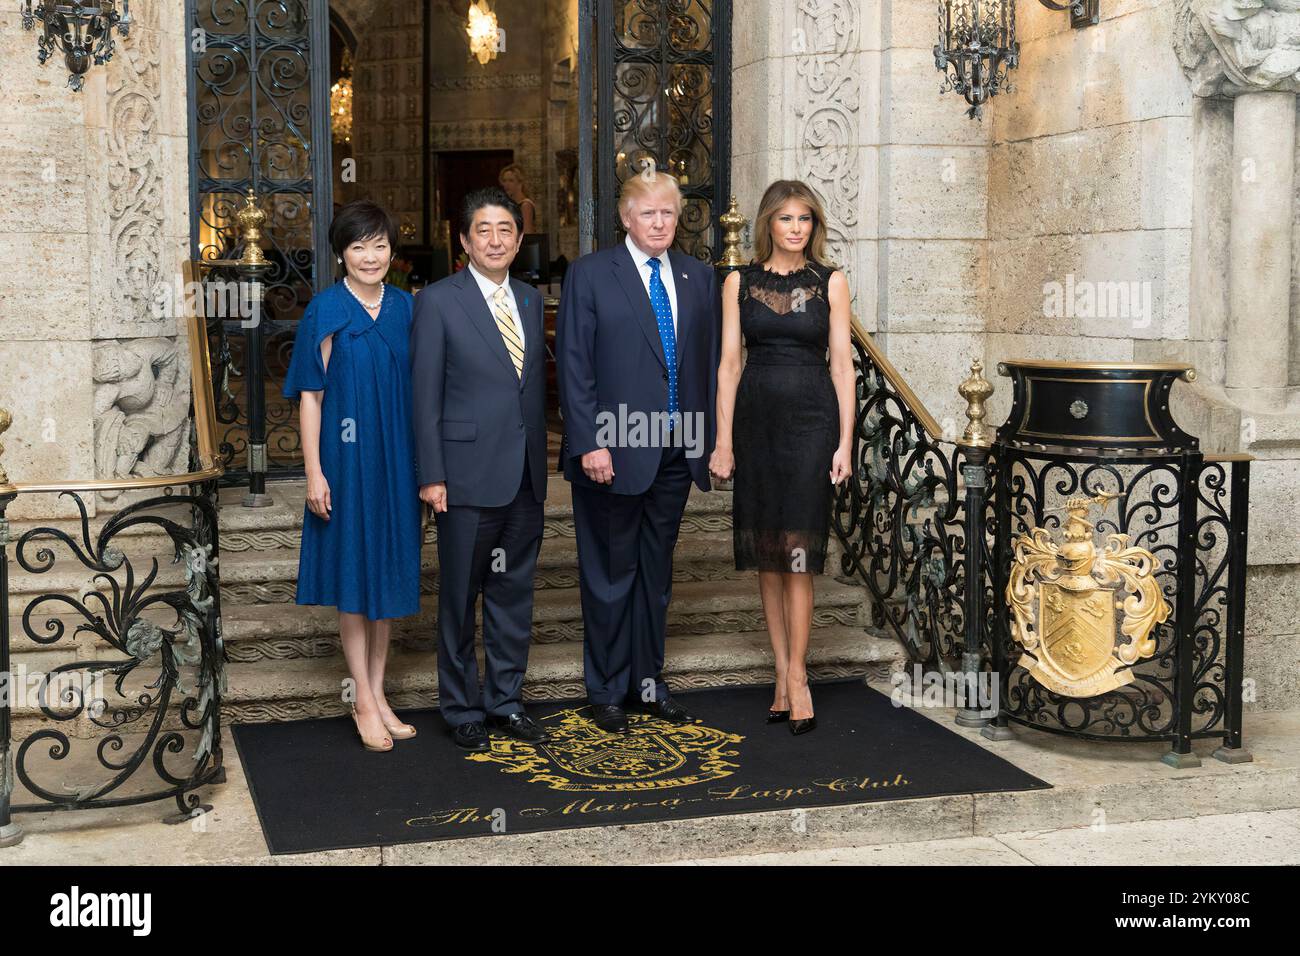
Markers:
point(488, 196)
point(360, 220)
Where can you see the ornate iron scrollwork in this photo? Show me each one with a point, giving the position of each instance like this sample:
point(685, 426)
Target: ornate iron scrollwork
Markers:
point(259, 119)
point(664, 71)
point(157, 699)
point(900, 521)
point(905, 531)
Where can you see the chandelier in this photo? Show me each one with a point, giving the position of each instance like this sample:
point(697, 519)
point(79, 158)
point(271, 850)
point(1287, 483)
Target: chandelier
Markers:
point(484, 33)
point(83, 31)
point(977, 48)
point(341, 102)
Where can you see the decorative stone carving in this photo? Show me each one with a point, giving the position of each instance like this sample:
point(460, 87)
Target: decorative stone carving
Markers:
point(827, 105)
point(1228, 47)
point(141, 408)
point(485, 81)
point(135, 207)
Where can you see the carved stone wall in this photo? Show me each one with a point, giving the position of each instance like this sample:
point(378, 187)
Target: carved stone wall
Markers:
point(1091, 198)
point(96, 198)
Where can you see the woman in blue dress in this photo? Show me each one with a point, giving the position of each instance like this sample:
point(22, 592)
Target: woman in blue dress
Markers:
point(361, 526)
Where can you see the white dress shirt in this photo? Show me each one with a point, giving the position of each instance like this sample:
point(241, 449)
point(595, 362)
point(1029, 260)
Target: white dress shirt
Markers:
point(665, 273)
point(489, 290)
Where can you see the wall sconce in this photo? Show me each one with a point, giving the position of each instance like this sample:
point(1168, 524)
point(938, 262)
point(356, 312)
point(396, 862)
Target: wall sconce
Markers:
point(977, 48)
point(83, 31)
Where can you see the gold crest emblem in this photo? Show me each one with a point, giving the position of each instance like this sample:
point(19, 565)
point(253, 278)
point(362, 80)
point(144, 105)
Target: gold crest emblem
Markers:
point(1070, 644)
point(579, 757)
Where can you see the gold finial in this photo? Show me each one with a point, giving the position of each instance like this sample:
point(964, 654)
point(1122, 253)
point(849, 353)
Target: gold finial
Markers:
point(733, 224)
point(250, 219)
point(5, 421)
point(976, 391)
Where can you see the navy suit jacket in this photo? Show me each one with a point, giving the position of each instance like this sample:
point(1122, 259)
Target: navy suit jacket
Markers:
point(609, 355)
point(473, 416)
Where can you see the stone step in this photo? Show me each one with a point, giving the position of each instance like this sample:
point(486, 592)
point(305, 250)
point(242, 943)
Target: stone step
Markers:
point(259, 577)
point(282, 631)
point(303, 687)
point(554, 671)
point(280, 526)
point(312, 687)
point(259, 549)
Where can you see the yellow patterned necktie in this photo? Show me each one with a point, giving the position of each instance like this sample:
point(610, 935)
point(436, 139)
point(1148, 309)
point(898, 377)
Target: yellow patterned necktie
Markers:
point(506, 323)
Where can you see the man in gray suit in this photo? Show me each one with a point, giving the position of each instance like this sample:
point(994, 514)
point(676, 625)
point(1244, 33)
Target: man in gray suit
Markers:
point(478, 377)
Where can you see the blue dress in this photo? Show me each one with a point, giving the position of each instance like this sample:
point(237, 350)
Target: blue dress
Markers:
point(366, 558)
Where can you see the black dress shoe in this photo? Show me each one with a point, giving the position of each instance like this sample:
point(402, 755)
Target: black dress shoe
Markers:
point(518, 725)
point(610, 718)
point(808, 725)
point(778, 716)
point(471, 735)
point(669, 709)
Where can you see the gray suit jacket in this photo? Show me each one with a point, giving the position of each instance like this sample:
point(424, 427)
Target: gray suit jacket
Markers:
point(473, 416)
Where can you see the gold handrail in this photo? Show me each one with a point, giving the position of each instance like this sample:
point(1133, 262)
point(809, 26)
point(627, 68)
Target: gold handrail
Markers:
point(205, 416)
point(120, 484)
point(923, 416)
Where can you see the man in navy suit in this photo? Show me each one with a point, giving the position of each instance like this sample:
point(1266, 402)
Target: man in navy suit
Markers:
point(637, 348)
point(478, 378)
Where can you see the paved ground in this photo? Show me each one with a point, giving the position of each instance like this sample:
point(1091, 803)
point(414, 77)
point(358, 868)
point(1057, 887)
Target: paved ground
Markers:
point(1110, 804)
point(1271, 837)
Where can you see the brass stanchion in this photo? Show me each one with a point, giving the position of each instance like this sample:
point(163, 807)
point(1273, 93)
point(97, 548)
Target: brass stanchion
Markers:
point(251, 267)
point(975, 443)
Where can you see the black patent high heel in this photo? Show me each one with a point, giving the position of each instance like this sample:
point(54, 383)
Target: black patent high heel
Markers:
point(778, 716)
point(806, 724)
point(798, 727)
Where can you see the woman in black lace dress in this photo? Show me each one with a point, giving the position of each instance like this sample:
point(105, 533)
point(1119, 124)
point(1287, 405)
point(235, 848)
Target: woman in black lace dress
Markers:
point(785, 424)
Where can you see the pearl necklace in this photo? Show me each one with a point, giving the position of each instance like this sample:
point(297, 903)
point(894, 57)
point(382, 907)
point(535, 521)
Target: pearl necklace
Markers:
point(364, 304)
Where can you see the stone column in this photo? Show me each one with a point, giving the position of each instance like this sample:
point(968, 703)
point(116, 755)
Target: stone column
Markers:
point(1249, 52)
point(1264, 128)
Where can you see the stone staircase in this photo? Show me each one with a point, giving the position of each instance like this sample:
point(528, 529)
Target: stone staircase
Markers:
point(284, 661)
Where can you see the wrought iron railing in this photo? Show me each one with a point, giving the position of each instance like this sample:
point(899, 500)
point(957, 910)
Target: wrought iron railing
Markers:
point(928, 520)
point(901, 519)
point(136, 715)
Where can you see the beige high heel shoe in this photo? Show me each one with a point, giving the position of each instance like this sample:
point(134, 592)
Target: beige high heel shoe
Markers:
point(400, 731)
point(366, 743)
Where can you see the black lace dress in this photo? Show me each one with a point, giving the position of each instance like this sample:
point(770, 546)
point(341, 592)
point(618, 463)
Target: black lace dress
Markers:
point(786, 426)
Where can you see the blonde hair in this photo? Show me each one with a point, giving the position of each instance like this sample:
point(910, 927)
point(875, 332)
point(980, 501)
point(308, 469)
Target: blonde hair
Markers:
point(651, 182)
point(776, 196)
point(518, 171)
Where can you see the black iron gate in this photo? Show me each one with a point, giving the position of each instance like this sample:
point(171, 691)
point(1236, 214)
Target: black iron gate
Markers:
point(256, 121)
point(663, 100)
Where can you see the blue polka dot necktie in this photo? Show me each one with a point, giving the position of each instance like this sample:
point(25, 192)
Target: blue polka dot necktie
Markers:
point(664, 317)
